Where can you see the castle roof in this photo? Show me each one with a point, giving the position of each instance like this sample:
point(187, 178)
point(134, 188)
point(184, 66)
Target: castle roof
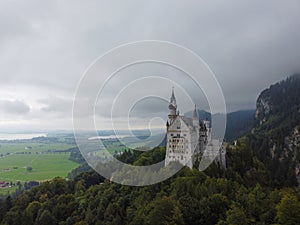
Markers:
point(188, 121)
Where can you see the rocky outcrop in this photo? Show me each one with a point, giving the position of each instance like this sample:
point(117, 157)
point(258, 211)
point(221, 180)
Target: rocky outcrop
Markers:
point(276, 135)
point(292, 146)
point(263, 109)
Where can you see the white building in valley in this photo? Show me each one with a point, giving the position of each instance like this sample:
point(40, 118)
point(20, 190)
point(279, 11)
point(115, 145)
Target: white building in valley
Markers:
point(189, 140)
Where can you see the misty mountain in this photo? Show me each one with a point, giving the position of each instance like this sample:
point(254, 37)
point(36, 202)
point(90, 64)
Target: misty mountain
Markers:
point(238, 122)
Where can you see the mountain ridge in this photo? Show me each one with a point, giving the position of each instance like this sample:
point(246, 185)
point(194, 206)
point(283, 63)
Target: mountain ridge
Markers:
point(238, 122)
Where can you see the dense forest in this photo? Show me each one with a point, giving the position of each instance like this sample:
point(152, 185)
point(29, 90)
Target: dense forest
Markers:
point(242, 194)
point(257, 187)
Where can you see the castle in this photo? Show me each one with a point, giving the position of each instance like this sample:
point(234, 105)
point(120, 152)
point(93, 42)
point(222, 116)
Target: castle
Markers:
point(189, 140)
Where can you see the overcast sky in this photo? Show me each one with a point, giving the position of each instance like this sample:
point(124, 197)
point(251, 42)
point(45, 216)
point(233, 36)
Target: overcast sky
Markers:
point(45, 47)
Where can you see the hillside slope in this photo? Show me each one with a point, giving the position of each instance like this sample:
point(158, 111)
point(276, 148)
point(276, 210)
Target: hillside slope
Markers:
point(275, 137)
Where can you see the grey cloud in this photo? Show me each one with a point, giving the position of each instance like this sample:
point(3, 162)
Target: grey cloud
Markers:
point(248, 44)
point(57, 105)
point(14, 107)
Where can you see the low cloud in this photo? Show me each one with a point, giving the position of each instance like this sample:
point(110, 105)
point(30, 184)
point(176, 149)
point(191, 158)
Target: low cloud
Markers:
point(56, 104)
point(14, 107)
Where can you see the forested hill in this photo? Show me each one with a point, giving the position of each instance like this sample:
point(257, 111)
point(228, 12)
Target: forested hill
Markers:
point(280, 102)
point(275, 137)
point(239, 123)
point(242, 194)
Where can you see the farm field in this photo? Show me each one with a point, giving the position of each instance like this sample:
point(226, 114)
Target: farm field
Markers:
point(44, 158)
point(35, 160)
point(44, 166)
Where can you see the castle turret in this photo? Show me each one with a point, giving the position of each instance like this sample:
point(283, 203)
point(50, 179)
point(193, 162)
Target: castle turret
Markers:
point(172, 107)
point(208, 128)
point(206, 122)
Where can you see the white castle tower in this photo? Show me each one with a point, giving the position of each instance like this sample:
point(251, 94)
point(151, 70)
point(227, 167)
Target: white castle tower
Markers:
point(188, 139)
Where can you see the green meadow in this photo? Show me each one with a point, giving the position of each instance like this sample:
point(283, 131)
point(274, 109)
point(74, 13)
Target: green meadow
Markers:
point(17, 157)
point(46, 157)
point(44, 166)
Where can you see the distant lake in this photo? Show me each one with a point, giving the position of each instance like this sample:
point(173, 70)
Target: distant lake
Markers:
point(19, 136)
point(107, 137)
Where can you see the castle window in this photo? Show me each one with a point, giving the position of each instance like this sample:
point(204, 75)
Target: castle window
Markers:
point(178, 127)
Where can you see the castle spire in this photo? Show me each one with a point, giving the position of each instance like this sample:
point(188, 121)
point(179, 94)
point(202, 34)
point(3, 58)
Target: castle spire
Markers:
point(173, 99)
point(172, 107)
point(195, 115)
point(195, 118)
